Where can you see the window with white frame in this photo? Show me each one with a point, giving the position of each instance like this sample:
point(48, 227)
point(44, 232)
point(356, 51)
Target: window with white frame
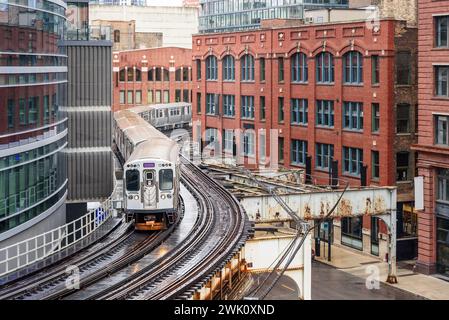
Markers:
point(442, 31)
point(441, 130)
point(442, 81)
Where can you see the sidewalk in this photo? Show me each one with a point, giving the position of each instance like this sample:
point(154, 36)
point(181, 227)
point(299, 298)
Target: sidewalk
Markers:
point(356, 264)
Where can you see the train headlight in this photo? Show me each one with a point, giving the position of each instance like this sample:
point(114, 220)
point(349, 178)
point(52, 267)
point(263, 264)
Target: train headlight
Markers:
point(163, 196)
point(169, 196)
point(136, 197)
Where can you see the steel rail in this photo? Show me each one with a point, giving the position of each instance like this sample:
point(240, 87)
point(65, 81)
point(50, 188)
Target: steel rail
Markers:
point(230, 239)
point(87, 263)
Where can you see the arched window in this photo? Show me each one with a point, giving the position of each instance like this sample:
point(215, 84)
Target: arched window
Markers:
point(211, 68)
point(185, 74)
point(324, 67)
point(299, 67)
point(353, 67)
point(151, 74)
point(228, 68)
point(130, 76)
point(178, 74)
point(158, 75)
point(122, 75)
point(247, 63)
point(138, 75)
point(166, 75)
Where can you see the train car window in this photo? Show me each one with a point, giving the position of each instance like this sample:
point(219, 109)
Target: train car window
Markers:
point(132, 180)
point(166, 179)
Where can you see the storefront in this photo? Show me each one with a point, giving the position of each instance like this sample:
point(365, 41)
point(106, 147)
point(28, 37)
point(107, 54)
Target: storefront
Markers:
point(351, 232)
point(442, 214)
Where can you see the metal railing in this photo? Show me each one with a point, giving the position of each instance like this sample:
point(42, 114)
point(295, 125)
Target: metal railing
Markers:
point(27, 252)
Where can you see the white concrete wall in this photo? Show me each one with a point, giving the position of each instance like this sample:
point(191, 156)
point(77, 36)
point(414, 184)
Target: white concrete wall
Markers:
point(55, 219)
point(263, 252)
point(322, 16)
point(177, 24)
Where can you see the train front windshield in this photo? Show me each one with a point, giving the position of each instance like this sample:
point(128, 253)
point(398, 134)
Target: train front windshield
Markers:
point(132, 180)
point(166, 179)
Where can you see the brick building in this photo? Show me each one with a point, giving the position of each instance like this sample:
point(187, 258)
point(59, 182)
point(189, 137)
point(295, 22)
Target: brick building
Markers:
point(433, 138)
point(149, 76)
point(336, 91)
point(124, 36)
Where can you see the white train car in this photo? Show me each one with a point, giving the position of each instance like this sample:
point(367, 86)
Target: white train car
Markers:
point(151, 171)
point(166, 116)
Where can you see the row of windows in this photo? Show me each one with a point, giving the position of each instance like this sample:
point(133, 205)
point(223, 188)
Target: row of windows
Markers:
point(154, 74)
point(352, 158)
point(32, 78)
point(156, 96)
point(28, 111)
point(352, 112)
point(352, 68)
point(25, 185)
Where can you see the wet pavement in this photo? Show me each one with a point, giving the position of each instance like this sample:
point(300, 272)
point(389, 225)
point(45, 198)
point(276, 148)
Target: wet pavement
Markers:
point(329, 283)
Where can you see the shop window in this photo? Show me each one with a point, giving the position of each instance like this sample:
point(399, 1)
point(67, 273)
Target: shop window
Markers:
point(351, 232)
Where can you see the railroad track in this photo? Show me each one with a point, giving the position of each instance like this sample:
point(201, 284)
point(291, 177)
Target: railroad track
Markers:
point(117, 254)
point(219, 232)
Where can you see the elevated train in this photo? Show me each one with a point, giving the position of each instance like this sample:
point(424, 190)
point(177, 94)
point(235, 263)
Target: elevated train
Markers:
point(166, 116)
point(151, 171)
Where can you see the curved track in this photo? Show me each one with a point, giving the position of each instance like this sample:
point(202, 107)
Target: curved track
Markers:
point(219, 229)
point(127, 247)
point(219, 232)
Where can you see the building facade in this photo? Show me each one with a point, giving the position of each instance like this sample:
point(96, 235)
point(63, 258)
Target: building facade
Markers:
point(124, 36)
point(233, 15)
point(176, 23)
point(433, 139)
point(33, 179)
point(86, 101)
point(151, 76)
point(339, 92)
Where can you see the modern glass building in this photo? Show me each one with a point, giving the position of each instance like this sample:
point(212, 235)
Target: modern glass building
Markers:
point(233, 15)
point(33, 180)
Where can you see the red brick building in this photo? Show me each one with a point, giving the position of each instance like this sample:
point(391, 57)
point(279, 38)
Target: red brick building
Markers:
point(433, 127)
point(150, 76)
point(337, 91)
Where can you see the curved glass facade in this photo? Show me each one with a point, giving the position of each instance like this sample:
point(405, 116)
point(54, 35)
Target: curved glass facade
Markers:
point(233, 15)
point(32, 70)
